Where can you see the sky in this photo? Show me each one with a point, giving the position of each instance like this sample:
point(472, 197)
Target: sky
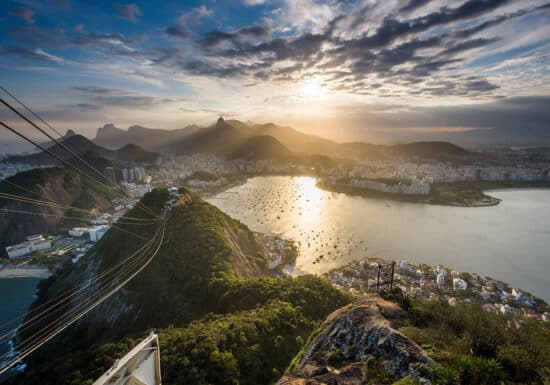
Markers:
point(472, 72)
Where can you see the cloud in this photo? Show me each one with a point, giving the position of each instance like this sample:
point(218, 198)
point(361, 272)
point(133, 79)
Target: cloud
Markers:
point(216, 37)
point(112, 97)
point(180, 29)
point(23, 13)
point(251, 3)
point(31, 54)
point(519, 120)
point(414, 49)
point(39, 36)
point(130, 12)
point(203, 11)
point(79, 106)
point(413, 4)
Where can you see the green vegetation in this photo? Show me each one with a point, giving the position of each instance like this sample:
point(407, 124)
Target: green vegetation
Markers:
point(376, 373)
point(475, 347)
point(249, 347)
point(406, 381)
point(219, 321)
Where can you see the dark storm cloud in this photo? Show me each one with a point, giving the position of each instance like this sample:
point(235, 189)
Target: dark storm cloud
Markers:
point(130, 12)
point(23, 13)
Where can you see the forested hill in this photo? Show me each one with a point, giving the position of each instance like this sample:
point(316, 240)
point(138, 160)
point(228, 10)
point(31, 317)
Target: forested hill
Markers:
point(84, 147)
point(206, 292)
point(222, 321)
point(58, 184)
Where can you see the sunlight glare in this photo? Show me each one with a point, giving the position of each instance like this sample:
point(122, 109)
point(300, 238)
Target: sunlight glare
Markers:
point(311, 88)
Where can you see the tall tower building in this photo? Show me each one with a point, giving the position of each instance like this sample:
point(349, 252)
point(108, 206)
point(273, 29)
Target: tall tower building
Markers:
point(110, 174)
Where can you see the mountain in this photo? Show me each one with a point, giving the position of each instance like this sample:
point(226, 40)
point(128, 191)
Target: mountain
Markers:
point(151, 139)
point(61, 185)
point(261, 147)
point(82, 146)
point(228, 137)
point(219, 139)
point(357, 342)
point(222, 316)
point(132, 153)
point(429, 150)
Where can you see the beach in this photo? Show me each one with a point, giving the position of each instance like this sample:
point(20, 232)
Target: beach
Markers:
point(24, 271)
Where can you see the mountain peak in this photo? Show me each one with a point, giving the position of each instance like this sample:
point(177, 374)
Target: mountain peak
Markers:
point(108, 130)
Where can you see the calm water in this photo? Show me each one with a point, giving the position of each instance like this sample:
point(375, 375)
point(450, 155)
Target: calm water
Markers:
point(510, 242)
point(15, 298)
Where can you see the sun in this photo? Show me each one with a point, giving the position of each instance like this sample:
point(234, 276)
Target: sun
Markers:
point(311, 88)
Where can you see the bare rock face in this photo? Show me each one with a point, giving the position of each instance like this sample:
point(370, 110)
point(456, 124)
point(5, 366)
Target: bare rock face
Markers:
point(356, 345)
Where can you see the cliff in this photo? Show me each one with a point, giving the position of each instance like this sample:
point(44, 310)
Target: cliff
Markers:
point(357, 344)
point(208, 292)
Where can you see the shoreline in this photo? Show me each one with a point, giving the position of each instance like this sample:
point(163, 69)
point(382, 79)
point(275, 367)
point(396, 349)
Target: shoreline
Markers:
point(26, 271)
point(480, 190)
point(459, 194)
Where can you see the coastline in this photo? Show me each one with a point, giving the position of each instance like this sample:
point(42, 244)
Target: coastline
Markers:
point(25, 271)
point(464, 194)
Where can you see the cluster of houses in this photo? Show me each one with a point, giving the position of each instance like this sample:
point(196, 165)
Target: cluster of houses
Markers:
point(423, 281)
point(438, 172)
point(32, 244)
point(416, 187)
point(78, 236)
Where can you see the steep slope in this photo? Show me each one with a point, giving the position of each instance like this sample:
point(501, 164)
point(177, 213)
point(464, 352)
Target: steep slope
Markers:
point(209, 263)
point(357, 345)
point(82, 146)
point(261, 147)
point(151, 139)
point(56, 184)
point(374, 341)
point(134, 153)
point(219, 139)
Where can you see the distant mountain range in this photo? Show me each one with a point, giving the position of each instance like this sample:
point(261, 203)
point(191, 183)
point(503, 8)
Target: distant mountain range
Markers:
point(261, 147)
point(113, 137)
point(236, 139)
point(84, 147)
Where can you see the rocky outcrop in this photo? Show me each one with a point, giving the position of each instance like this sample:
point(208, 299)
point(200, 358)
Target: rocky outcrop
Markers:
point(356, 344)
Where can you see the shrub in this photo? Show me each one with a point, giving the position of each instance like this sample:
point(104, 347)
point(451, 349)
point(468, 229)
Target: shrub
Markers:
point(479, 370)
point(444, 375)
point(335, 358)
point(407, 381)
point(376, 373)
